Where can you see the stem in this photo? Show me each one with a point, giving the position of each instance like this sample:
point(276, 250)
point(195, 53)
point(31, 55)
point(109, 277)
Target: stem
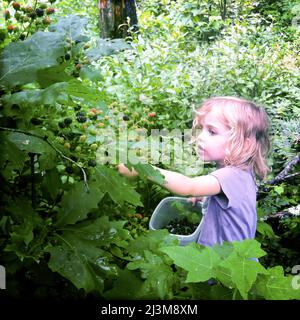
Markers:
point(45, 138)
point(33, 193)
point(234, 294)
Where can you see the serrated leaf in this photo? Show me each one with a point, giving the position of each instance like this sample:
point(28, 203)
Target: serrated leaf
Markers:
point(102, 231)
point(249, 248)
point(106, 47)
point(23, 232)
point(49, 76)
point(20, 61)
point(223, 250)
point(110, 181)
point(127, 286)
point(11, 158)
point(88, 72)
point(158, 275)
point(199, 262)
point(243, 272)
point(266, 230)
point(49, 96)
point(72, 27)
point(77, 203)
point(146, 171)
point(275, 286)
point(80, 256)
point(76, 88)
point(29, 143)
point(152, 242)
point(72, 264)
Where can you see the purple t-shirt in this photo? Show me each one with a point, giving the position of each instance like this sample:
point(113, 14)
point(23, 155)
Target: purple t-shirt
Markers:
point(230, 215)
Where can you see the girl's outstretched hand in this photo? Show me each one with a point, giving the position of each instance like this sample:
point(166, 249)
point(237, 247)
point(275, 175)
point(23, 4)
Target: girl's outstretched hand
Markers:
point(194, 200)
point(123, 170)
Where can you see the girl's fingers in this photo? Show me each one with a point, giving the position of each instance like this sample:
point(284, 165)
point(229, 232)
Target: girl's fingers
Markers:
point(195, 199)
point(125, 171)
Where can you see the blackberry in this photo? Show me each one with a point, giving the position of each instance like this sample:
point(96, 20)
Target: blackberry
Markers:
point(80, 114)
point(22, 37)
point(92, 163)
point(125, 118)
point(61, 124)
point(36, 121)
point(77, 108)
point(69, 169)
point(67, 121)
point(39, 12)
point(81, 119)
point(67, 56)
point(183, 227)
point(32, 15)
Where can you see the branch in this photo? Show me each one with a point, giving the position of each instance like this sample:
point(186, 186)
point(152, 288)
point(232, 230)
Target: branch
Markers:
point(283, 175)
point(45, 138)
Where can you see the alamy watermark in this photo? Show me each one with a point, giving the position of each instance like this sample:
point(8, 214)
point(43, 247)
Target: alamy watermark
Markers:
point(2, 277)
point(170, 147)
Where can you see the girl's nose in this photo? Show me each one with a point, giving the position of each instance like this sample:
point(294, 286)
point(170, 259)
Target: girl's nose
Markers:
point(200, 137)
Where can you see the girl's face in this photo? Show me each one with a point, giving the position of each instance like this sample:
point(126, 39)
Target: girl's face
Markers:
point(213, 138)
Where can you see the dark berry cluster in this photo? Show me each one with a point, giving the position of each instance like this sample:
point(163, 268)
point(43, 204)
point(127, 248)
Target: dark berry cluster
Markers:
point(81, 116)
point(183, 226)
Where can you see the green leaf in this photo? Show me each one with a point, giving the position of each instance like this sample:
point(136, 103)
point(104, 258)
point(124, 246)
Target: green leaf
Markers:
point(49, 76)
point(91, 95)
point(49, 96)
point(275, 286)
point(102, 231)
point(72, 263)
point(51, 183)
point(11, 157)
point(243, 272)
point(152, 242)
point(23, 232)
point(266, 230)
point(106, 47)
point(158, 275)
point(279, 189)
point(87, 72)
point(21, 60)
point(72, 27)
point(127, 286)
point(199, 262)
point(110, 181)
point(25, 237)
point(146, 171)
point(77, 203)
point(249, 248)
point(29, 143)
point(80, 254)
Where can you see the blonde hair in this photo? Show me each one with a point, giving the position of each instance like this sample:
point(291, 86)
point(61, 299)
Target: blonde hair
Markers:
point(245, 120)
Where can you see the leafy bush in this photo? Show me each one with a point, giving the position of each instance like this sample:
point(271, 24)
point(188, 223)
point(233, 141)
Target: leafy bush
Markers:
point(70, 225)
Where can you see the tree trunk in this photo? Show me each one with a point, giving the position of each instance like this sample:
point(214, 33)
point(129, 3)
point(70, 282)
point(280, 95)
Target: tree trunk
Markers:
point(113, 16)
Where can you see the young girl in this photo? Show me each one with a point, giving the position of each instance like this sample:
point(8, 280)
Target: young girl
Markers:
point(234, 135)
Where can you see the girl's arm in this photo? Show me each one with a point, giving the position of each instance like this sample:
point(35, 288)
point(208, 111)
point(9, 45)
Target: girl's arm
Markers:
point(182, 185)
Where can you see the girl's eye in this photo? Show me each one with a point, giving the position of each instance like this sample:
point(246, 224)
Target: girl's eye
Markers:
point(212, 132)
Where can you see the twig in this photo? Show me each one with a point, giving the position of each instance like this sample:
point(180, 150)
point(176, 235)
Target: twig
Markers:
point(284, 173)
point(33, 202)
point(45, 138)
point(282, 176)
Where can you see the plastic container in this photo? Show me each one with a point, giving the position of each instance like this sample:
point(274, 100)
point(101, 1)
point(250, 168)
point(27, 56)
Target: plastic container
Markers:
point(168, 210)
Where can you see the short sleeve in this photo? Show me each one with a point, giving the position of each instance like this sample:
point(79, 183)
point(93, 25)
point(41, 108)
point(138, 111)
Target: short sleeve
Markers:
point(231, 182)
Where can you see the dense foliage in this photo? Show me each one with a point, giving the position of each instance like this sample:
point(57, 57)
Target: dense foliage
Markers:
point(70, 225)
